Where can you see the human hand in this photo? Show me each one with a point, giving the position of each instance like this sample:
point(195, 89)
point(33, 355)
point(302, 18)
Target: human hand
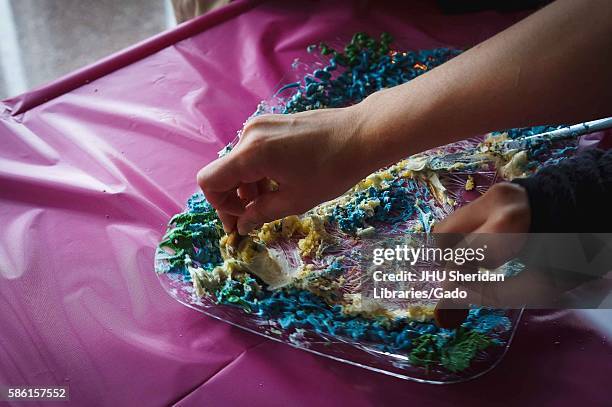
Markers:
point(503, 209)
point(312, 156)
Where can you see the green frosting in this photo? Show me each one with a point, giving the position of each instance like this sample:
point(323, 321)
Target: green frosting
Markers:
point(455, 355)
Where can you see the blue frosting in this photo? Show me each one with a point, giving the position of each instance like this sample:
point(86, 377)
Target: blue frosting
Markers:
point(370, 72)
point(302, 309)
point(195, 233)
point(396, 205)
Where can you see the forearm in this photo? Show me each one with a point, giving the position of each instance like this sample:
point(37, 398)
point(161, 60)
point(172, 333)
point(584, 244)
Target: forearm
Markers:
point(552, 67)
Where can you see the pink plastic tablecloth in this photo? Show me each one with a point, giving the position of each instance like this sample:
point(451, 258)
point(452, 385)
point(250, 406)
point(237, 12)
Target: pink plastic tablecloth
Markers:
point(93, 165)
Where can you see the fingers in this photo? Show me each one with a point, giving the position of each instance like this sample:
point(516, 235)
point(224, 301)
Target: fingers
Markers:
point(233, 207)
point(229, 183)
point(248, 192)
point(227, 201)
point(229, 221)
point(451, 231)
point(502, 209)
point(266, 208)
point(232, 184)
point(503, 243)
point(229, 172)
point(266, 185)
point(466, 219)
point(498, 219)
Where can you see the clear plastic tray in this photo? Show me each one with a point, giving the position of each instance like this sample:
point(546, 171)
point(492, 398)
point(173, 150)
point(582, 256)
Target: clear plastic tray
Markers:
point(342, 348)
point(336, 347)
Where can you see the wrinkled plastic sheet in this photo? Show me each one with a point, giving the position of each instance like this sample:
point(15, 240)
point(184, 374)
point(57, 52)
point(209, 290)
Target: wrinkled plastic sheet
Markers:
point(93, 165)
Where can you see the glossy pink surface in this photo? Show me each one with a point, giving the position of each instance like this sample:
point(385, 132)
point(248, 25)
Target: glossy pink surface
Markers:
point(93, 165)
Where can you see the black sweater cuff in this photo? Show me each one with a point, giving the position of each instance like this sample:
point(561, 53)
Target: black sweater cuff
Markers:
point(572, 196)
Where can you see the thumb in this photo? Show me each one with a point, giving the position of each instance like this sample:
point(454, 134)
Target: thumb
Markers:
point(266, 208)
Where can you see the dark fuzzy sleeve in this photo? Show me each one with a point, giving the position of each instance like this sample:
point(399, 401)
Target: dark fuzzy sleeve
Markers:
point(572, 196)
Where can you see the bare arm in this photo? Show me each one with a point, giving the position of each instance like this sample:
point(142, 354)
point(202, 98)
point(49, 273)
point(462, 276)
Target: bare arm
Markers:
point(552, 67)
point(555, 66)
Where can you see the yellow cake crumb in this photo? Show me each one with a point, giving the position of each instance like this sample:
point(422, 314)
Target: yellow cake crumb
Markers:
point(315, 235)
point(516, 166)
point(469, 184)
point(374, 180)
point(284, 228)
point(369, 206)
